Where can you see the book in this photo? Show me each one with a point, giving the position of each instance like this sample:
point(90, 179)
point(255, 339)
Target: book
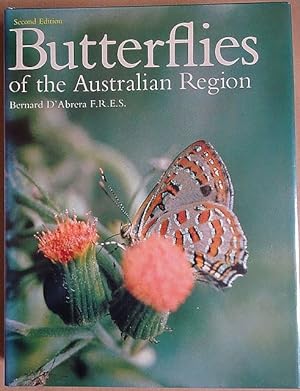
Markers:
point(196, 103)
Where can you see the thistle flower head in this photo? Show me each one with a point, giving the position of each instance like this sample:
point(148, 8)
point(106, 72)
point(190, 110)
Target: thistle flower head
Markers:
point(157, 273)
point(68, 240)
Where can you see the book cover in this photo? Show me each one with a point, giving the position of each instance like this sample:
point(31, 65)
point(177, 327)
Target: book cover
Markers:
point(150, 197)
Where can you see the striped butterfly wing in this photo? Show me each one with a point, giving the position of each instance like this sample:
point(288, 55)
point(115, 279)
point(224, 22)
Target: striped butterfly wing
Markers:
point(212, 237)
point(196, 174)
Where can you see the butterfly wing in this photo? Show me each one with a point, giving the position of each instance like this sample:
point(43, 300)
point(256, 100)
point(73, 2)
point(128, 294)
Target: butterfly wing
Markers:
point(196, 174)
point(212, 237)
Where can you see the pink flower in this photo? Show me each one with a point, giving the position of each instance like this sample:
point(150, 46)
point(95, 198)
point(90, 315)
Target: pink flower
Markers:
point(70, 239)
point(158, 273)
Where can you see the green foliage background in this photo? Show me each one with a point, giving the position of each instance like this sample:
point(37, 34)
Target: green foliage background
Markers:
point(244, 337)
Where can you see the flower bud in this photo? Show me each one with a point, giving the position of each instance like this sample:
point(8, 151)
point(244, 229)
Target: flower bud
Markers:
point(157, 280)
point(135, 318)
point(75, 289)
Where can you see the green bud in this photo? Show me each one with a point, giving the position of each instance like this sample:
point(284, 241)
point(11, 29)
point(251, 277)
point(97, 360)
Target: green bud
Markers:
point(76, 290)
point(135, 318)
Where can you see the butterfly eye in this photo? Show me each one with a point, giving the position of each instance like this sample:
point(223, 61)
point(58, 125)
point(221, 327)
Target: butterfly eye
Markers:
point(205, 190)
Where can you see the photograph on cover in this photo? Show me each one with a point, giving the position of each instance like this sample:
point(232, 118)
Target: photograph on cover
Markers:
point(150, 197)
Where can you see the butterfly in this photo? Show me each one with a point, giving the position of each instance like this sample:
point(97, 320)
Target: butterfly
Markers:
point(192, 204)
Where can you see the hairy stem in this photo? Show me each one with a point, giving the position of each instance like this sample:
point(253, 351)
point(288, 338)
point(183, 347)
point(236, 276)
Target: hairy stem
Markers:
point(40, 376)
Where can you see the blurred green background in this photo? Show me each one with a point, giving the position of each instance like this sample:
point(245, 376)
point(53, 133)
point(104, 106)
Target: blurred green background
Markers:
point(246, 336)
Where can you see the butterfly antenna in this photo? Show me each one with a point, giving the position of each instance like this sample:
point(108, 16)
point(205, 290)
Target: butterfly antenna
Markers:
point(108, 190)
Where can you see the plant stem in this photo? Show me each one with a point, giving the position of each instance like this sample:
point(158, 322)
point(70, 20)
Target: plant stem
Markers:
point(22, 329)
point(45, 197)
point(40, 376)
point(110, 267)
point(42, 210)
point(105, 338)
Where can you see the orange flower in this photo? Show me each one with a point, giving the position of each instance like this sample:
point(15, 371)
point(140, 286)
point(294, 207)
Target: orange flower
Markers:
point(157, 273)
point(70, 239)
